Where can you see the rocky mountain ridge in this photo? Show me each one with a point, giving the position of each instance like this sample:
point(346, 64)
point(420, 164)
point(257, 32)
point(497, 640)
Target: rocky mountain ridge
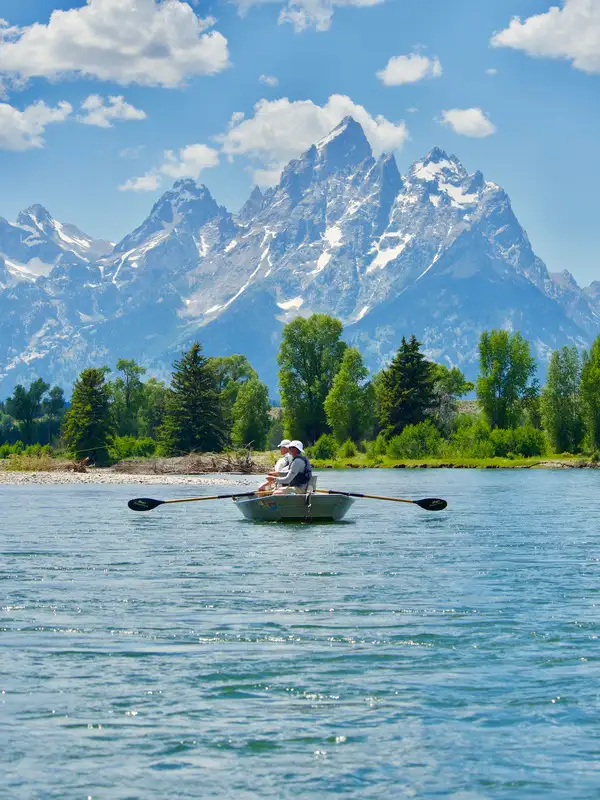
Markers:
point(438, 252)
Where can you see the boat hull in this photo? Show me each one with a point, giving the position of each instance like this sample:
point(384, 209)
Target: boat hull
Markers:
point(295, 508)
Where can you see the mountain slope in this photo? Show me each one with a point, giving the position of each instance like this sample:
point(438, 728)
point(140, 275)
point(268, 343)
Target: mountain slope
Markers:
point(438, 253)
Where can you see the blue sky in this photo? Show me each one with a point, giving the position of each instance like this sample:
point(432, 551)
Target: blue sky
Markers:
point(182, 82)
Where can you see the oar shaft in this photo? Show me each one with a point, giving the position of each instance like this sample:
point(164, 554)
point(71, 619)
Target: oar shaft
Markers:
point(367, 496)
point(209, 497)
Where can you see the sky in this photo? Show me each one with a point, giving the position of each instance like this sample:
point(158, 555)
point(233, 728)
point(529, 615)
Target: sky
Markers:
point(104, 103)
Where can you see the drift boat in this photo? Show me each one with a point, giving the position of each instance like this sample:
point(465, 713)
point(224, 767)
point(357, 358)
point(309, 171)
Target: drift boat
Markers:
point(308, 507)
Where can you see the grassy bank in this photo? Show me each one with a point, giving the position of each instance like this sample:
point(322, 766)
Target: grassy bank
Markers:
point(362, 461)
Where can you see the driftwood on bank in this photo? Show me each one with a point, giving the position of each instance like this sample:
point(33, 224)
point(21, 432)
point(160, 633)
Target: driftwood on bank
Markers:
point(239, 462)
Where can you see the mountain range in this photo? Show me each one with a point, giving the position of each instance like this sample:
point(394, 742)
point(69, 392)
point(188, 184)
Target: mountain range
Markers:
point(438, 252)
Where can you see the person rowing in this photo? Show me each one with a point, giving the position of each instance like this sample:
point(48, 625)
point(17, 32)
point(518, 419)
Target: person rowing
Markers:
point(299, 474)
point(281, 467)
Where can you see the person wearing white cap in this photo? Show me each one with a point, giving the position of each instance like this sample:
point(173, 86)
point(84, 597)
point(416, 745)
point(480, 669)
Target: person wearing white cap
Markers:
point(300, 472)
point(281, 467)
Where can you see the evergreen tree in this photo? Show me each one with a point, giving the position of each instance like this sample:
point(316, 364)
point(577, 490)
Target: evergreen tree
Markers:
point(194, 417)
point(560, 406)
point(88, 424)
point(590, 395)
point(25, 406)
point(251, 420)
point(349, 404)
point(309, 358)
point(506, 379)
point(406, 393)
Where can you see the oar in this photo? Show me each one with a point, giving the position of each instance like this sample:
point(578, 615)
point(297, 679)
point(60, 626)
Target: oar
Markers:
point(429, 504)
point(147, 503)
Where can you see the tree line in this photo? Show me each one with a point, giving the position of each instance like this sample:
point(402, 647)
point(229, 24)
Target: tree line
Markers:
point(410, 409)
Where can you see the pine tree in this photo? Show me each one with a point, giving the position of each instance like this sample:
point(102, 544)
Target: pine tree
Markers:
point(88, 425)
point(560, 406)
point(406, 388)
point(251, 420)
point(349, 404)
point(590, 395)
point(194, 418)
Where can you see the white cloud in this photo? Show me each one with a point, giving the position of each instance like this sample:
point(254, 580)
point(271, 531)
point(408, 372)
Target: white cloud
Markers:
point(147, 183)
point(304, 14)
point(132, 152)
point(125, 41)
point(282, 129)
point(269, 80)
point(24, 130)
point(102, 112)
point(571, 32)
point(468, 122)
point(189, 161)
point(409, 69)
point(491, 71)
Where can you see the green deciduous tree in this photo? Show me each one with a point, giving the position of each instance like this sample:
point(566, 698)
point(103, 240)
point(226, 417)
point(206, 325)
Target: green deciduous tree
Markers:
point(88, 425)
point(128, 396)
point(350, 402)
point(152, 411)
point(194, 417)
point(405, 388)
point(448, 386)
point(560, 406)
point(251, 420)
point(590, 395)
point(309, 358)
point(506, 377)
point(25, 406)
point(231, 372)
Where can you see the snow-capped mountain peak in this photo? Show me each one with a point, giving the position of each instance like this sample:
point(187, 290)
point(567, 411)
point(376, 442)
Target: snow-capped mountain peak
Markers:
point(439, 253)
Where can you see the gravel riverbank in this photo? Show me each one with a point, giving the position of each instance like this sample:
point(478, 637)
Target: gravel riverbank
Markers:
point(107, 476)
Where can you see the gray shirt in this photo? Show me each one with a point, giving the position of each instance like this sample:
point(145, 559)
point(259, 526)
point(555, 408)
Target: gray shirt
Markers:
point(296, 467)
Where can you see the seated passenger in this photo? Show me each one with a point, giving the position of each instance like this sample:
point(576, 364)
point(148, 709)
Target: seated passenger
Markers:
point(299, 474)
point(281, 467)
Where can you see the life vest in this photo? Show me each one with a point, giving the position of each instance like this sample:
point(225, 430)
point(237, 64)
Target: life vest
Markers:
point(302, 478)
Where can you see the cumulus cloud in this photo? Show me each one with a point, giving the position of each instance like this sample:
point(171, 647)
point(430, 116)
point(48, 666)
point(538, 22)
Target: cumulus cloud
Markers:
point(146, 183)
point(491, 71)
point(150, 42)
point(24, 130)
point(305, 14)
point(571, 32)
point(102, 112)
point(409, 69)
point(269, 80)
point(468, 122)
point(280, 130)
point(188, 162)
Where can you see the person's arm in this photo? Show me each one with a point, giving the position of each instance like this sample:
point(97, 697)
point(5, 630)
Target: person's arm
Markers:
point(296, 467)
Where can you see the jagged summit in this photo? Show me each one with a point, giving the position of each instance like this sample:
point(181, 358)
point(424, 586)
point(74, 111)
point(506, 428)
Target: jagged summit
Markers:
point(252, 205)
point(438, 253)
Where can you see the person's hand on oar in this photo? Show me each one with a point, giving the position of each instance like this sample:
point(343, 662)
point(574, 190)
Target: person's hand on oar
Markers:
point(429, 504)
point(147, 503)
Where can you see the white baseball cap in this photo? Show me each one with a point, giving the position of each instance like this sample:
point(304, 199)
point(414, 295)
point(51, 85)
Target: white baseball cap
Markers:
point(284, 443)
point(298, 445)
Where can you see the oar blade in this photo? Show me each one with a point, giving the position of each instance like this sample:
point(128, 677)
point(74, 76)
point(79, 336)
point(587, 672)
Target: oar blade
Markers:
point(144, 504)
point(432, 504)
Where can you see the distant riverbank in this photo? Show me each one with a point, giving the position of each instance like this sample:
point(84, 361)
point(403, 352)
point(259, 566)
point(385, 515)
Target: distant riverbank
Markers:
point(180, 471)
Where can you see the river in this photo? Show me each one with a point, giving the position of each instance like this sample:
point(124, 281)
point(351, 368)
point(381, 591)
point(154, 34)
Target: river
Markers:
point(185, 653)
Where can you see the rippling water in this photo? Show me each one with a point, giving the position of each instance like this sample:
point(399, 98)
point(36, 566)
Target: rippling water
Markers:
point(187, 653)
